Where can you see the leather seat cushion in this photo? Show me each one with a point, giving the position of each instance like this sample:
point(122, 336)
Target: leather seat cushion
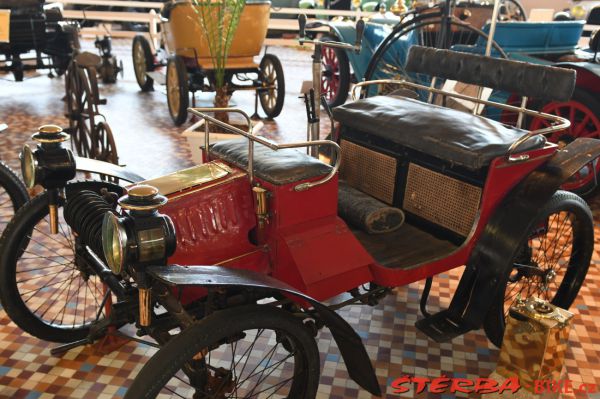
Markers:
point(277, 167)
point(458, 137)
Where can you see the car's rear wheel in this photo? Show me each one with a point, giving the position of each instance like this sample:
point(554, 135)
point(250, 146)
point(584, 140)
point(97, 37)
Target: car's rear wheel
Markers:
point(177, 90)
point(272, 96)
point(551, 263)
point(143, 62)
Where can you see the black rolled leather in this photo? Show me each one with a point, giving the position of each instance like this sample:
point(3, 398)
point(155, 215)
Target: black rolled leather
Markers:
point(277, 167)
point(534, 81)
point(458, 137)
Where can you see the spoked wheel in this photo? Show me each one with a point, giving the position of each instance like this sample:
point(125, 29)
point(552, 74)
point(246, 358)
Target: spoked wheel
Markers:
point(551, 263)
point(143, 61)
point(428, 30)
point(335, 81)
point(512, 10)
point(43, 289)
point(583, 110)
point(13, 195)
point(246, 352)
point(273, 92)
point(82, 109)
point(178, 95)
point(106, 149)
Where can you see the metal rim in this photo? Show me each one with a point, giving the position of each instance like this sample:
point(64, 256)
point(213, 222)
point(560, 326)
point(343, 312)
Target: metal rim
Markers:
point(173, 89)
point(269, 95)
point(139, 62)
point(542, 265)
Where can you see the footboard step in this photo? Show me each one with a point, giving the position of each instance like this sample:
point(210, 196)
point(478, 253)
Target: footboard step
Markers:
point(442, 327)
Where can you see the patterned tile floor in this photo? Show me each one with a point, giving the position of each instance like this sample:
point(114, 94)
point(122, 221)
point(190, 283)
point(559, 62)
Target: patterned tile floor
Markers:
point(144, 135)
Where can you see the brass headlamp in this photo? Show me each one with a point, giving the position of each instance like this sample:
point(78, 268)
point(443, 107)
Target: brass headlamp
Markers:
point(143, 236)
point(50, 165)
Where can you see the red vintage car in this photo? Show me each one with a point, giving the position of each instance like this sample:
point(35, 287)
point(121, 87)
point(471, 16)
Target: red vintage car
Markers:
point(225, 265)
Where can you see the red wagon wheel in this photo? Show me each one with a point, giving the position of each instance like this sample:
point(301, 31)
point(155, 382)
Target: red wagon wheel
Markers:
point(584, 113)
point(335, 76)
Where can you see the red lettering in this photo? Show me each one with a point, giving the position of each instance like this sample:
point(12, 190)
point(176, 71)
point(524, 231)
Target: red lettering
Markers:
point(461, 385)
point(398, 383)
point(421, 383)
point(486, 385)
point(439, 385)
point(510, 384)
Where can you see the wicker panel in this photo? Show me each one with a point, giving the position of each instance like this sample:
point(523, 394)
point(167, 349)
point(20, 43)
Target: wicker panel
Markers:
point(369, 171)
point(440, 199)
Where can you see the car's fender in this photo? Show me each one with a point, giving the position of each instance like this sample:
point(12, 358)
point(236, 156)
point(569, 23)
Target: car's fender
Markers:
point(508, 227)
point(349, 342)
point(106, 169)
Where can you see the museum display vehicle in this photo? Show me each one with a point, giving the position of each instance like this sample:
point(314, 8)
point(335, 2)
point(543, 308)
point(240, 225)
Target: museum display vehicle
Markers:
point(233, 266)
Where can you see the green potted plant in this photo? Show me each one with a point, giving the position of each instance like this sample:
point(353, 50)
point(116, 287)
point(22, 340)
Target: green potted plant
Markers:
point(219, 20)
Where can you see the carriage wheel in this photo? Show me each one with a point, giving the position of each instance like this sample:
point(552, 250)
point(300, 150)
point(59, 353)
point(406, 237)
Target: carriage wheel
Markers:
point(143, 61)
point(583, 110)
point(244, 352)
point(106, 149)
point(389, 59)
point(177, 89)
point(551, 263)
point(512, 10)
point(335, 75)
point(82, 108)
point(271, 73)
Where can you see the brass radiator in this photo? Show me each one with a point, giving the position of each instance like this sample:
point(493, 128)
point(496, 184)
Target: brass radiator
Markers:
point(443, 200)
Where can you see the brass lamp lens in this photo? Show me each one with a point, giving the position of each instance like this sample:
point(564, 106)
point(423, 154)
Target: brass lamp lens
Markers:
point(114, 241)
point(28, 166)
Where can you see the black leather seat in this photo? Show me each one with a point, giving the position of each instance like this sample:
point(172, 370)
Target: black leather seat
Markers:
point(458, 137)
point(276, 167)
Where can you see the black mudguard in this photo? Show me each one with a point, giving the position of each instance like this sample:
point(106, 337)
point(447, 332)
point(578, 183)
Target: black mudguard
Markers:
point(106, 169)
point(507, 228)
point(353, 351)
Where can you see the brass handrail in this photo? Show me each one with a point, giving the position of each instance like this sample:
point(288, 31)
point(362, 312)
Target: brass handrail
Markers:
point(562, 123)
point(275, 147)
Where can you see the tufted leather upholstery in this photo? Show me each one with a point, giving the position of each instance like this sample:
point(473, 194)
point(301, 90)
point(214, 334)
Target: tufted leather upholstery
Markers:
point(458, 137)
point(277, 167)
point(535, 81)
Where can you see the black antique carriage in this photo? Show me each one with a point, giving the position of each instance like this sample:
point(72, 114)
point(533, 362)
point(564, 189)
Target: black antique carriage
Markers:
point(38, 38)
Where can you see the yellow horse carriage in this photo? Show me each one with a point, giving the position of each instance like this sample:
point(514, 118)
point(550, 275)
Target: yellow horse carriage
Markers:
point(184, 50)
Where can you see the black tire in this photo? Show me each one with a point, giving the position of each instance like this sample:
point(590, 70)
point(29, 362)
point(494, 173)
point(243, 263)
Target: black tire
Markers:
point(271, 72)
point(573, 214)
point(28, 303)
point(336, 77)
point(178, 93)
point(142, 55)
point(13, 195)
point(166, 364)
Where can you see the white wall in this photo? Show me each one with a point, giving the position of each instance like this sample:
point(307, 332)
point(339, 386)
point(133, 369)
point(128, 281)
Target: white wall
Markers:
point(557, 5)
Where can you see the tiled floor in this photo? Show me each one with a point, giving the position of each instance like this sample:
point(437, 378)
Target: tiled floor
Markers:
point(145, 135)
